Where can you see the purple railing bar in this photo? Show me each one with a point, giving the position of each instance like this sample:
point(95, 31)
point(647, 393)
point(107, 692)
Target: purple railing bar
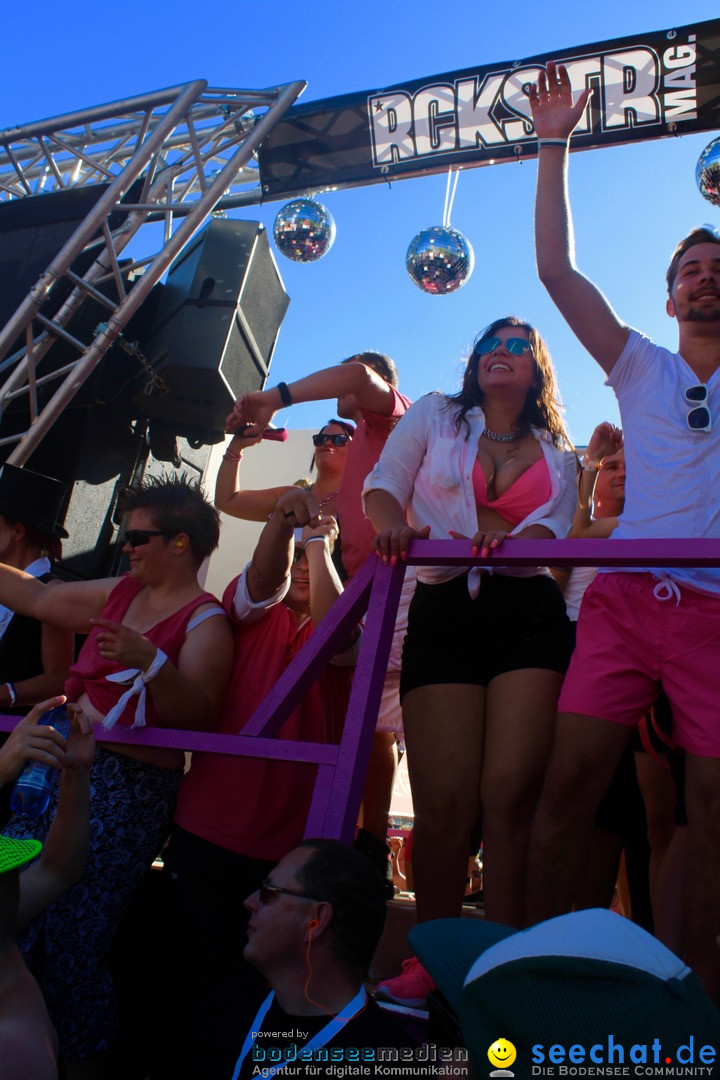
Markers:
point(666, 552)
point(347, 610)
point(354, 753)
point(341, 769)
point(237, 745)
point(300, 674)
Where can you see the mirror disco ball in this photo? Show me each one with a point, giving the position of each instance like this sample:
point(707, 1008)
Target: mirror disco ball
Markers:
point(304, 230)
point(439, 260)
point(707, 172)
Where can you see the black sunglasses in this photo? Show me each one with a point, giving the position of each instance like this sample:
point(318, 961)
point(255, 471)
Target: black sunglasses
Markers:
point(335, 440)
point(138, 537)
point(298, 552)
point(516, 346)
point(699, 418)
point(267, 891)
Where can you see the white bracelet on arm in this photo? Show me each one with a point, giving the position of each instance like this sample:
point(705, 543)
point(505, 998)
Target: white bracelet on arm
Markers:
point(137, 678)
point(311, 539)
point(157, 662)
point(589, 465)
point(552, 142)
point(12, 692)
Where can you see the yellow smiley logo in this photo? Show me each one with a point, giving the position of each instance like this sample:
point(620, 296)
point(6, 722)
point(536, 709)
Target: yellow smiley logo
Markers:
point(502, 1053)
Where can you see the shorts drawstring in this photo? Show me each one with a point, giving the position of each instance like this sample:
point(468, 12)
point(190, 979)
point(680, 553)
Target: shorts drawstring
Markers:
point(475, 576)
point(666, 588)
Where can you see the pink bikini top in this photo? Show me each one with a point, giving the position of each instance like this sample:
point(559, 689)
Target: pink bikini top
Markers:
point(531, 490)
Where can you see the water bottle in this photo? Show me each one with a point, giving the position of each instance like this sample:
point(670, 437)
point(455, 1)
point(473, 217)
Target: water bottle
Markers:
point(36, 783)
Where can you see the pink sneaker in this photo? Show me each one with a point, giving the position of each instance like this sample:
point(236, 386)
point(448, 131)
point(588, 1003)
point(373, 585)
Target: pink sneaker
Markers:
point(409, 988)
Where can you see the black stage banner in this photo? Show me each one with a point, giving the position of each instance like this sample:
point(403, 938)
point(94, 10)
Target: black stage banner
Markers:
point(646, 87)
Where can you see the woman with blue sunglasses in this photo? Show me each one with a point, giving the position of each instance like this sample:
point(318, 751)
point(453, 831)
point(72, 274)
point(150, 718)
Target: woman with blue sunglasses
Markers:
point(485, 653)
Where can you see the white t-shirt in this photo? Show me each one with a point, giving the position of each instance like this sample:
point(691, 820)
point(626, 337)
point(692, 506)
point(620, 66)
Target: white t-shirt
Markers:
point(672, 488)
point(578, 581)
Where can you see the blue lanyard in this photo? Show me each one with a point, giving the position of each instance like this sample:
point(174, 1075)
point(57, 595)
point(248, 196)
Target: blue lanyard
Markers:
point(324, 1035)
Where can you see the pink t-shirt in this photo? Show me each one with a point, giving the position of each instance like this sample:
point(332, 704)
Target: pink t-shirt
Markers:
point(367, 444)
point(258, 807)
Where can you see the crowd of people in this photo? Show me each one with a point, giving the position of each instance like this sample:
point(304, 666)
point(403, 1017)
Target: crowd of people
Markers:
point(516, 692)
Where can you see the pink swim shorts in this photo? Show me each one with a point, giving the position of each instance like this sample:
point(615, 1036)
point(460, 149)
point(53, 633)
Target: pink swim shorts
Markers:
point(637, 633)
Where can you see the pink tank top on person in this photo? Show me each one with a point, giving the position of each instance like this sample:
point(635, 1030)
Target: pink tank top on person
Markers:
point(530, 490)
point(89, 671)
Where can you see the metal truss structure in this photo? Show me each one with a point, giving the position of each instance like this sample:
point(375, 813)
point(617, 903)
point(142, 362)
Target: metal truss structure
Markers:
point(184, 151)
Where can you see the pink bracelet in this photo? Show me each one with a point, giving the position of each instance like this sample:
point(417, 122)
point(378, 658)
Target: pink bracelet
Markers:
point(229, 456)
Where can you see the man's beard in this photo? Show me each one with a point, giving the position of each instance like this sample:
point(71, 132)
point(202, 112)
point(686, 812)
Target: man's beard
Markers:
point(701, 315)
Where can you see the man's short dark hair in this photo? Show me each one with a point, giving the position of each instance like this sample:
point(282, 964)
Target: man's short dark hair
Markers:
point(347, 880)
point(177, 504)
point(701, 234)
point(379, 362)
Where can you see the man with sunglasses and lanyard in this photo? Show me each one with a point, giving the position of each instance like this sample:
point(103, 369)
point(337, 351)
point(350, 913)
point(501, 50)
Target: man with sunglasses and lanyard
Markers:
point(365, 386)
point(314, 925)
point(641, 631)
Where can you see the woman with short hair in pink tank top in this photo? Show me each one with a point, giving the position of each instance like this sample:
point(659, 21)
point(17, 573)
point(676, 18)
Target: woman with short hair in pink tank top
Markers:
point(159, 653)
point(485, 652)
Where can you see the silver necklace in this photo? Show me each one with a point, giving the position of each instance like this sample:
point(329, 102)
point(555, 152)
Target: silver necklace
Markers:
point(495, 436)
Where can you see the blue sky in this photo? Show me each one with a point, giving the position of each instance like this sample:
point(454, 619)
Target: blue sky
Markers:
point(631, 203)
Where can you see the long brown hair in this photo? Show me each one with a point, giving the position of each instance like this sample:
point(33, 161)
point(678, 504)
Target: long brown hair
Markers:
point(542, 408)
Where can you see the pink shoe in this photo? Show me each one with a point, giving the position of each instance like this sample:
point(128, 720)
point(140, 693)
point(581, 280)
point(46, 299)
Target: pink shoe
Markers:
point(410, 988)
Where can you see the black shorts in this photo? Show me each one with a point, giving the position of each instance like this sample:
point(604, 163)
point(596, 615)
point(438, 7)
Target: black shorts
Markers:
point(514, 623)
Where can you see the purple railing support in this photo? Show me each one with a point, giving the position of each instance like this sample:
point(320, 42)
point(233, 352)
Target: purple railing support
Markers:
point(235, 745)
point(317, 813)
point(354, 753)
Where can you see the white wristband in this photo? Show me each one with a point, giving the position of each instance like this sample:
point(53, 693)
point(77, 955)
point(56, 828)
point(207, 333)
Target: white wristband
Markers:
point(11, 691)
point(552, 142)
point(588, 465)
point(311, 539)
point(158, 661)
point(137, 679)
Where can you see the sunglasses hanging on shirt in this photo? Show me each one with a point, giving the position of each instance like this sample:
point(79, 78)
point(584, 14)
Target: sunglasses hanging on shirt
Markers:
point(699, 418)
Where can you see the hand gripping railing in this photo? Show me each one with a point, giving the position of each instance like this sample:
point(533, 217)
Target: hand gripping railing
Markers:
point(376, 588)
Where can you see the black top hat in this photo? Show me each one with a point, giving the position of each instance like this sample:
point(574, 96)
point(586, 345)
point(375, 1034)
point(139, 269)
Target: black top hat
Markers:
point(33, 499)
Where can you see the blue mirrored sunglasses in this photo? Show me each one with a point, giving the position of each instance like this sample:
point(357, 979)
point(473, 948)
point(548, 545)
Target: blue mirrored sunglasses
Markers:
point(516, 346)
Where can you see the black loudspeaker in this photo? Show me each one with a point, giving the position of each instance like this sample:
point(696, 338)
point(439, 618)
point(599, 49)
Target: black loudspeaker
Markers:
point(34, 229)
point(214, 330)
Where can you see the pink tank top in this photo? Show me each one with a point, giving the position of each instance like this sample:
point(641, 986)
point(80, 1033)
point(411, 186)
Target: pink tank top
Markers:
point(89, 671)
point(529, 491)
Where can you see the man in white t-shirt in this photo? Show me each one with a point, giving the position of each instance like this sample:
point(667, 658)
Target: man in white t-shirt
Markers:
point(652, 628)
